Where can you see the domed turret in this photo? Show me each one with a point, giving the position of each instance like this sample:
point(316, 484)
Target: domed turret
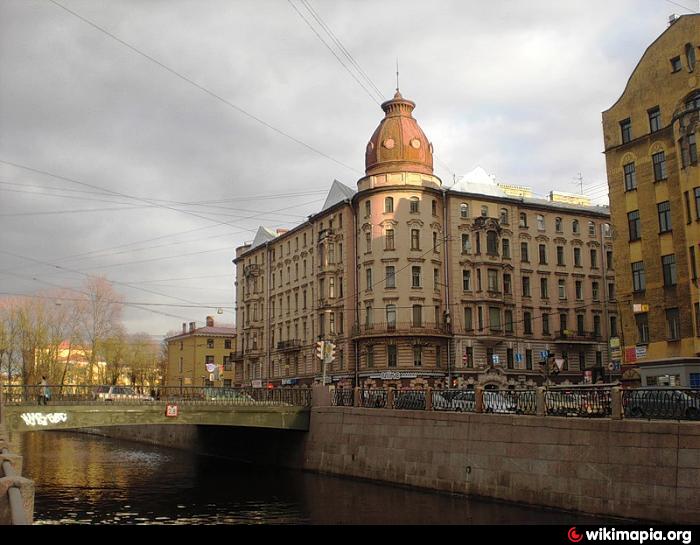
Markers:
point(398, 144)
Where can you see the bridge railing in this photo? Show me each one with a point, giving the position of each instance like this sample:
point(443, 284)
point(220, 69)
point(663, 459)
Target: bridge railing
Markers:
point(83, 395)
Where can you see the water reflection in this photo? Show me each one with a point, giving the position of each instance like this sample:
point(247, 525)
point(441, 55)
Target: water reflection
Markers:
point(87, 479)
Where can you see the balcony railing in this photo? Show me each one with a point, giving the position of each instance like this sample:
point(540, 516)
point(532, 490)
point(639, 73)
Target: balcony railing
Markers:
point(292, 344)
point(571, 335)
point(391, 328)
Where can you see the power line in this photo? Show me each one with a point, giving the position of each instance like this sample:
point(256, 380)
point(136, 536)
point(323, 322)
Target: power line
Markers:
point(117, 301)
point(202, 88)
point(681, 6)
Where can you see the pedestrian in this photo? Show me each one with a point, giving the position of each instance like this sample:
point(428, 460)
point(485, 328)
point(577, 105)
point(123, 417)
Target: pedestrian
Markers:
point(44, 391)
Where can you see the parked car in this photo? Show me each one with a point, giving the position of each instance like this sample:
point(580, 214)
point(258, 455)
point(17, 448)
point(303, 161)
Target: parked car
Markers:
point(119, 393)
point(662, 402)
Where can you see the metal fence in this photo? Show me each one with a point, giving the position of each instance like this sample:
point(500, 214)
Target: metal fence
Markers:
point(662, 403)
point(580, 402)
point(510, 401)
point(75, 394)
point(461, 401)
point(373, 398)
point(343, 397)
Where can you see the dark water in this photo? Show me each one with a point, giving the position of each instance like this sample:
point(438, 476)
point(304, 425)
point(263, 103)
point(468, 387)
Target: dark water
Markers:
point(87, 479)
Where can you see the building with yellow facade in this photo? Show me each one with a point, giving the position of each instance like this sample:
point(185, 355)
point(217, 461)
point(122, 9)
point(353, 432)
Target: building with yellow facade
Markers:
point(201, 356)
point(418, 285)
point(654, 185)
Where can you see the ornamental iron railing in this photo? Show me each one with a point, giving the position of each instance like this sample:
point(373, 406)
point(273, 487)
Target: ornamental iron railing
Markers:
point(662, 403)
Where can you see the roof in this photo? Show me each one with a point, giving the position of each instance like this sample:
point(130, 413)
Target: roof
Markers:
point(263, 235)
point(227, 331)
point(337, 193)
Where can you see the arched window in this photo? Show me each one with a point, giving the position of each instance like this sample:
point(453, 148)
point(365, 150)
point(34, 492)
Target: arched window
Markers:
point(389, 204)
point(504, 216)
point(575, 228)
point(557, 225)
point(523, 219)
point(464, 210)
point(414, 204)
point(690, 56)
point(540, 222)
point(591, 229)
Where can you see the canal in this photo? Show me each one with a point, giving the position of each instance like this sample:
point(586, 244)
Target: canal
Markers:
point(87, 479)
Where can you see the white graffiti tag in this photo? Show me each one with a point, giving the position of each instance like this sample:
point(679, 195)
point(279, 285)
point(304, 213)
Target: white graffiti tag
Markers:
point(41, 419)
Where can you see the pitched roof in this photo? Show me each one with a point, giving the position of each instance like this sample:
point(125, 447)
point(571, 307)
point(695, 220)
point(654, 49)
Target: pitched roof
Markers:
point(337, 193)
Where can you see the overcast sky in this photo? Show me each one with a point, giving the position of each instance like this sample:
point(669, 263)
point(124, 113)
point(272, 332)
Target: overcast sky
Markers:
point(512, 86)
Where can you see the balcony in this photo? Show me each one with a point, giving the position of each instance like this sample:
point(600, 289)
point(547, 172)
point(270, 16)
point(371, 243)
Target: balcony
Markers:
point(568, 336)
point(400, 328)
point(290, 345)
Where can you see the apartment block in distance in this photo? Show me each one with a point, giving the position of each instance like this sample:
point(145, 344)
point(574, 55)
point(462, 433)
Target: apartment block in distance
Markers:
point(201, 356)
point(419, 285)
point(651, 153)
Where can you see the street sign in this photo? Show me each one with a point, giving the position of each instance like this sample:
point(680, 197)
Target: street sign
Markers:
point(518, 357)
point(171, 410)
point(638, 308)
point(641, 351)
point(544, 354)
point(494, 359)
point(614, 342)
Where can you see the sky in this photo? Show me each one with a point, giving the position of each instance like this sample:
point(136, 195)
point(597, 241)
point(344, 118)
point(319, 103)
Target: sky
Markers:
point(145, 141)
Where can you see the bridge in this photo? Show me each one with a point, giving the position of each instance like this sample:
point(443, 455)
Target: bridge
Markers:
point(55, 407)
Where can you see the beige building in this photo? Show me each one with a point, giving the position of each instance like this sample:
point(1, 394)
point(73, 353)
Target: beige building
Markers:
point(652, 164)
point(201, 356)
point(420, 285)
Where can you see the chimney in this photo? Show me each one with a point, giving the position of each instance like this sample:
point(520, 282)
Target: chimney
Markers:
point(192, 324)
point(672, 19)
point(210, 321)
point(184, 327)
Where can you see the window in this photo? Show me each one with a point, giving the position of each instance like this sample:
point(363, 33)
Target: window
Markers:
point(495, 318)
point(595, 291)
point(562, 323)
point(389, 204)
point(654, 119)
point(594, 258)
point(562, 288)
point(389, 239)
point(577, 257)
point(227, 344)
point(638, 279)
point(468, 319)
point(210, 343)
point(436, 279)
point(540, 222)
point(596, 325)
point(417, 316)
point(578, 285)
point(613, 326)
point(492, 243)
point(668, 263)
point(697, 322)
point(523, 219)
point(696, 191)
point(466, 280)
point(368, 316)
point(391, 355)
point(493, 279)
point(527, 323)
point(557, 225)
point(484, 211)
point(545, 323)
point(415, 277)
point(368, 273)
point(626, 130)
point(560, 255)
point(591, 229)
point(466, 244)
point(436, 246)
point(690, 56)
point(507, 286)
point(464, 210)
point(414, 204)
point(368, 208)
point(674, 324)
point(504, 216)
point(575, 227)
point(526, 286)
point(509, 358)
point(415, 239)
point(630, 176)
point(523, 252)
point(689, 150)
point(505, 243)
point(370, 355)
point(609, 259)
point(543, 254)
point(528, 360)
point(693, 264)
point(417, 356)
point(664, 211)
point(391, 316)
point(508, 316)
point(694, 380)
point(642, 322)
point(659, 160)
point(635, 226)
point(434, 207)
point(580, 325)
point(676, 64)
point(390, 277)
point(611, 291)
point(544, 291)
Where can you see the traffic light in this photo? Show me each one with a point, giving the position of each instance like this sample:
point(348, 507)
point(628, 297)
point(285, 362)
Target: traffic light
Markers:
point(320, 345)
point(329, 352)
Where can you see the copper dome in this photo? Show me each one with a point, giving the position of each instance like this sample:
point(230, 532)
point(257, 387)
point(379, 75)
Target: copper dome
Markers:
point(398, 144)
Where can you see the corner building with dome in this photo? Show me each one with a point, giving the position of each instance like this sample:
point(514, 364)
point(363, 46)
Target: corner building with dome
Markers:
point(421, 285)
